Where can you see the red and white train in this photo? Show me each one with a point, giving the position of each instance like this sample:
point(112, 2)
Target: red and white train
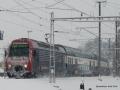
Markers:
point(27, 58)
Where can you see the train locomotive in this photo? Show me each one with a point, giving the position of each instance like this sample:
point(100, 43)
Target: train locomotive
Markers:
point(30, 58)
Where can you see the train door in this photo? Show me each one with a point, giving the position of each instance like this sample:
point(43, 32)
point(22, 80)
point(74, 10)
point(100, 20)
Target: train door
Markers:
point(35, 62)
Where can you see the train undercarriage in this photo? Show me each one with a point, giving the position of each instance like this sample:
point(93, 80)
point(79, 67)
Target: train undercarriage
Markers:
point(19, 72)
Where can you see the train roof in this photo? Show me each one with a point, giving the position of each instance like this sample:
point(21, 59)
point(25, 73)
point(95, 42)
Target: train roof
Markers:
point(72, 51)
point(78, 53)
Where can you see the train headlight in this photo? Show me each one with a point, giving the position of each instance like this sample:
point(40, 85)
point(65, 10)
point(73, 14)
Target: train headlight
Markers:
point(9, 65)
point(25, 65)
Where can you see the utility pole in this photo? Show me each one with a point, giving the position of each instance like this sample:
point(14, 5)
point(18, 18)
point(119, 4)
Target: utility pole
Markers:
point(99, 43)
point(109, 55)
point(116, 51)
point(52, 52)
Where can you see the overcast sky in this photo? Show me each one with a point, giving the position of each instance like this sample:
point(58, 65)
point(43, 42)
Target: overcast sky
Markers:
point(23, 15)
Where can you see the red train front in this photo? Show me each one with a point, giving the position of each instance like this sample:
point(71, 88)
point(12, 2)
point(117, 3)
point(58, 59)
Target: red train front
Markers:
point(19, 58)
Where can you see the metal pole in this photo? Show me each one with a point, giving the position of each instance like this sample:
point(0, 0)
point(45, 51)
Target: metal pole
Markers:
point(4, 62)
point(50, 56)
point(116, 46)
point(99, 45)
point(52, 52)
point(50, 77)
point(54, 80)
point(28, 34)
point(109, 54)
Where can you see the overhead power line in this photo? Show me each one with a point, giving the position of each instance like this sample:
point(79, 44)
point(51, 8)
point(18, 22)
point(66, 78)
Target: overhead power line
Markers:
point(90, 32)
point(44, 12)
point(15, 13)
point(94, 8)
point(41, 8)
point(73, 8)
point(29, 20)
point(80, 39)
point(15, 6)
point(113, 3)
point(59, 8)
point(21, 25)
point(7, 10)
point(27, 8)
point(39, 2)
point(57, 2)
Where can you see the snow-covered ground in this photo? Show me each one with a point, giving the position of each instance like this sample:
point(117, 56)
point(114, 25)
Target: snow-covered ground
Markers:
point(103, 83)
point(67, 83)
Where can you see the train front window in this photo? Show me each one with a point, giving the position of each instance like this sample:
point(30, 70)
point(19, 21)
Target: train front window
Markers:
point(19, 50)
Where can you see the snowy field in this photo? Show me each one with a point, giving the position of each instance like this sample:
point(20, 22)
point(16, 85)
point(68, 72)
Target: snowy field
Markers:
point(67, 83)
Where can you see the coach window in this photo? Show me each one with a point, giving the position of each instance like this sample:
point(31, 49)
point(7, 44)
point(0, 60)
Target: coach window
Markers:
point(93, 63)
point(72, 61)
point(65, 59)
point(82, 67)
point(68, 60)
point(75, 61)
point(86, 67)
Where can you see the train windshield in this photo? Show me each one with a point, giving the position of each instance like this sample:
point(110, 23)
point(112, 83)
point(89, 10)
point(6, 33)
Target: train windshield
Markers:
point(19, 50)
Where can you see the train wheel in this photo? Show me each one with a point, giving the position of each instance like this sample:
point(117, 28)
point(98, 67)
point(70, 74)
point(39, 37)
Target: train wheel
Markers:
point(9, 75)
point(34, 75)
